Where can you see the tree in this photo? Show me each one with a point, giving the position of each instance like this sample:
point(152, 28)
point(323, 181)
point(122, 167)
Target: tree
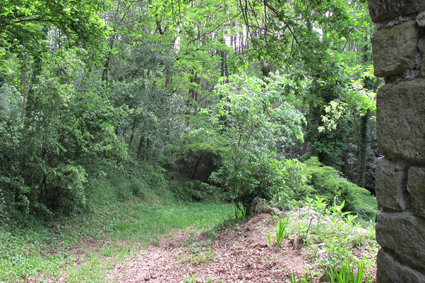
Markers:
point(254, 117)
point(23, 23)
point(318, 40)
point(65, 131)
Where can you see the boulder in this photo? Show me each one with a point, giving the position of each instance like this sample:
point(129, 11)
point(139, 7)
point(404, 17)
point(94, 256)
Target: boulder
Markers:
point(420, 19)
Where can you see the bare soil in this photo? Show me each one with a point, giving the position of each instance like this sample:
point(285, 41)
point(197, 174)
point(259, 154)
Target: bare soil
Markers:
point(236, 254)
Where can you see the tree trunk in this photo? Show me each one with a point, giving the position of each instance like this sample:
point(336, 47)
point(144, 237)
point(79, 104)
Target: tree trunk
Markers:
point(108, 60)
point(140, 148)
point(196, 167)
point(132, 132)
point(148, 146)
point(24, 100)
point(363, 148)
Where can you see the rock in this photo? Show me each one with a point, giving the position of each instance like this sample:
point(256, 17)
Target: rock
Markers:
point(403, 233)
point(323, 278)
point(416, 186)
point(420, 19)
point(394, 49)
point(262, 208)
point(391, 271)
point(277, 211)
point(391, 185)
point(400, 120)
point(386, 9)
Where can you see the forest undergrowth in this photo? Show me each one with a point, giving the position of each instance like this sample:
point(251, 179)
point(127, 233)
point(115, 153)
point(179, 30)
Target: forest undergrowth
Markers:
point(124, 123)
point(87, 247)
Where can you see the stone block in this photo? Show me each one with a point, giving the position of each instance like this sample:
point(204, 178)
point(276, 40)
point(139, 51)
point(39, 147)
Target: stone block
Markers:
point(416, 187)
point(404, 234)
point(400, 120)
point(391, 271)
point(394, 49)
point(420, 19)
point(387, 9)
point(391, 184)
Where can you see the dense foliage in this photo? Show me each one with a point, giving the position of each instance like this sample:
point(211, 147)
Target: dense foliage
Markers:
point(210, 99)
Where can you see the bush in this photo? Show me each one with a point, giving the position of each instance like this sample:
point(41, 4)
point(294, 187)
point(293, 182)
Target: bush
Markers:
point(247, 177)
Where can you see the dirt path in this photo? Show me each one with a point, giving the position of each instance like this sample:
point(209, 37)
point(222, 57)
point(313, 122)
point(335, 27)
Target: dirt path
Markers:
point(237, 254)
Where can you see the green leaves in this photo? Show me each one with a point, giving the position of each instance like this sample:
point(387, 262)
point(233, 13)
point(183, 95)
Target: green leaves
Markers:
point(338, 191)
point(25, 23)
point(347, 273)
point(253, 113)
point(67, 135)
point(281, 231)
point(254, 117)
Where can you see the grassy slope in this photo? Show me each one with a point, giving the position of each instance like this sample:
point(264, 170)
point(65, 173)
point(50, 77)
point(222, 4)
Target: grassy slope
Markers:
point(122, 218)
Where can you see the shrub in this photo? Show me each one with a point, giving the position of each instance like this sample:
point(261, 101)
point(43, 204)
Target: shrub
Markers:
point(46, 158)
point(247, 177)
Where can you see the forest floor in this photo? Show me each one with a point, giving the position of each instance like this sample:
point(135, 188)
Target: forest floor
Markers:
point(227, 252)
point(235, 254)
point(239, 253)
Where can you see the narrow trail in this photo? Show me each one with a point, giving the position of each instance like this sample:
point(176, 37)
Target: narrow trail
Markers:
point(237, 254)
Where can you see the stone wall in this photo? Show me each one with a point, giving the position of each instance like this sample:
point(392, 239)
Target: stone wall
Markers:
point(398, 47)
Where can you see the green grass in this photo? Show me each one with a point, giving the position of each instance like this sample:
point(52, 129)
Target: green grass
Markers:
point(117, 229)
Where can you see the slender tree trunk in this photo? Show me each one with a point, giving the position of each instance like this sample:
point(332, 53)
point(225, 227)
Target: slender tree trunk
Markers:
point(363, 148)
point(24, 100)
point(363, 133)
point(223, 62)
point(140, 148)
point(132, 132)
point(25, 82)
point(108, 60)
point(226, 67)
point(196, 167)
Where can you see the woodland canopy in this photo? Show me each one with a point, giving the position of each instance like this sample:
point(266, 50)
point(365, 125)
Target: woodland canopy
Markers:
point(206, 99)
